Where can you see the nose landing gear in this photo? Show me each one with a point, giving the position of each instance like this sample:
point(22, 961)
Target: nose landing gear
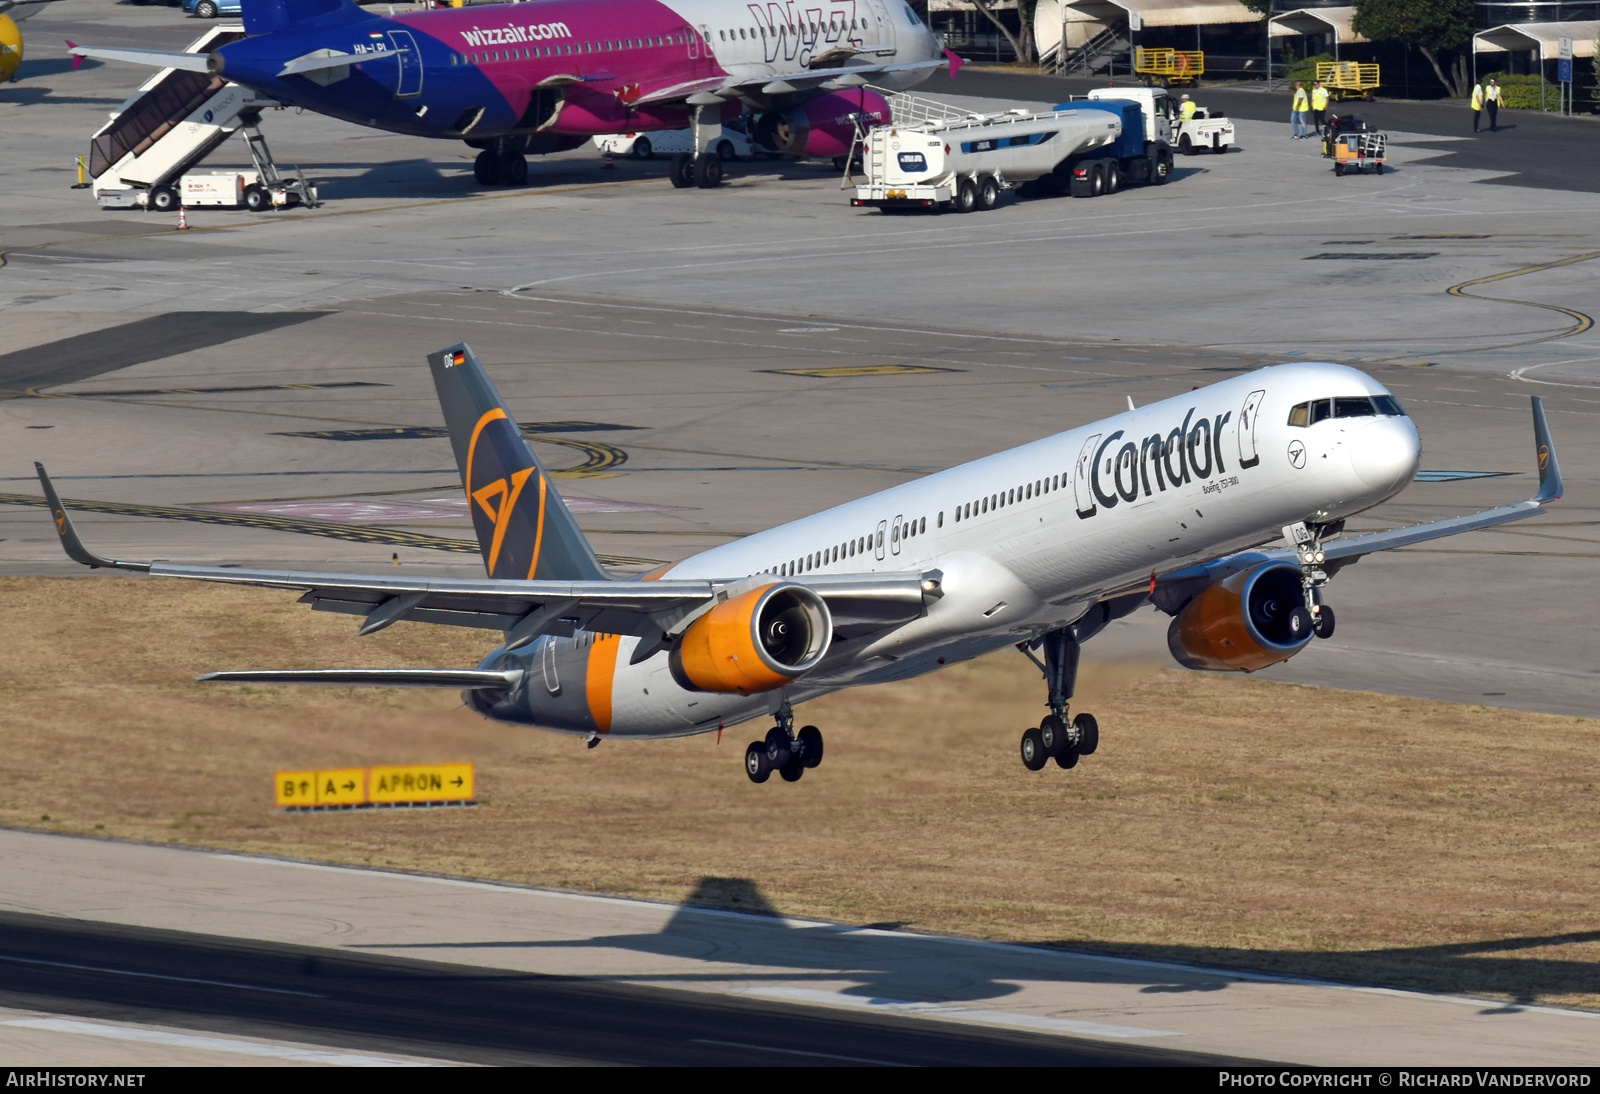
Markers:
point(1307, 541)
point(1056, 738)
point(784, 751)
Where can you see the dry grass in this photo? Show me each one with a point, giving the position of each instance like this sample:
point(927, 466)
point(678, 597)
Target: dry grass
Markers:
point(1224, 820)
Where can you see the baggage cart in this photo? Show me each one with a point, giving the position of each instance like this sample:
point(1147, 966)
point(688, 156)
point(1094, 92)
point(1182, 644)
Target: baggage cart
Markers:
point(1348, 79)
point(1169, 67)
point(1359, 152)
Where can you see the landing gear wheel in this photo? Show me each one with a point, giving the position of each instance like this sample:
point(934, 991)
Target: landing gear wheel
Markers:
point(1053, 735)
point(1322, 622)
point(681, 171)
point(777, 747)
point(163, 200)
point(988, 193)
point(966, 196)
point(1088, 734)
point(755, 762)
point(642, 149)
point(486, 168)
point(810, 738)
point(256, 199)
point(792, 771)
point(513, 169)
point(1068, 758)
point(707, 171)
point(1034, 755)
point(1113, 178)
point(1299, 624)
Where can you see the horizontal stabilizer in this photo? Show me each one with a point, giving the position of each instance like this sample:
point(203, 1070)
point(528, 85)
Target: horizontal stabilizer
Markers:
point(319, 61)
point(379, 678)
point(158, 58)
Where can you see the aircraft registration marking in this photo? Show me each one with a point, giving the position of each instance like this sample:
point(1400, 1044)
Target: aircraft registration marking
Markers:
point(846, 371)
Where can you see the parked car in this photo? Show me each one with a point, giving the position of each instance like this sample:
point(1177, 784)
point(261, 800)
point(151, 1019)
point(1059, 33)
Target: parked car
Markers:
point(210, 9)
point(733, 143)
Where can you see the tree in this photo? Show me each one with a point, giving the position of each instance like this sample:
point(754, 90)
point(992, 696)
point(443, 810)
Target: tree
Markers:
point(1022, 41)
point(1438, 28)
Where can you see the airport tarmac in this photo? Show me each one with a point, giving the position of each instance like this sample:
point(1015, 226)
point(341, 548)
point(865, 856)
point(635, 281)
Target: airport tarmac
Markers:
point(369, 961)
point(704, 364)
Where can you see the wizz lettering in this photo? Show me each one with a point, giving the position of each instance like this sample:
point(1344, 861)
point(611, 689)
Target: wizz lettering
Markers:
point(514, 35)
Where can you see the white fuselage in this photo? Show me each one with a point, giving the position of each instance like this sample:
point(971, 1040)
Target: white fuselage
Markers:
point(1025, 541)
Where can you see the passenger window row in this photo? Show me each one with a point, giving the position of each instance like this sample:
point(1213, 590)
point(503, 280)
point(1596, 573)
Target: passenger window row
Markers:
point(1010, 496)
point(850, 548)
point(834, 26)
point(610, 46)
point(1345, 406)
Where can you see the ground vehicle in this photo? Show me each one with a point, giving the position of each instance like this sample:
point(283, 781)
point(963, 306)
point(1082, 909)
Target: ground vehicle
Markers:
point(1358, 152)
point(1169, 66)
point(1338, 125)
point(210, 9)
point(1206, 129)
point(232, 190)
point(642, 146)
point(1348, 79)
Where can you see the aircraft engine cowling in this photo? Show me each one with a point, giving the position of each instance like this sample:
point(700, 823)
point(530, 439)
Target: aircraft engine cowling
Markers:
point(757, 641)
point(822, 127)
point(1244, 622)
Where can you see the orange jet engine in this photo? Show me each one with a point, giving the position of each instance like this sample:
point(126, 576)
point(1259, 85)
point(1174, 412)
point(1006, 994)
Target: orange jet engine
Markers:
point(1247, 621)
point(757, 641)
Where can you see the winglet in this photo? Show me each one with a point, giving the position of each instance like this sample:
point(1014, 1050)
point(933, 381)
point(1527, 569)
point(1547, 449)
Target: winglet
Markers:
point(955, 62)
point(77, 58)
point(69, 535)
point(1545, 452)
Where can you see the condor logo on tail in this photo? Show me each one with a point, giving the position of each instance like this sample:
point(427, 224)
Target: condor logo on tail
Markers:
point(507, 510)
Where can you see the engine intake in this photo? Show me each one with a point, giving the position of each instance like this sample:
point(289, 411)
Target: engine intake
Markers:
point(757, 641)
point(822, 127)
point(1245, 622)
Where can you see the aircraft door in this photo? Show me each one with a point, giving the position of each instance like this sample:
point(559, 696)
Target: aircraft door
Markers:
point(1248, 456)
point(694, 42)
point(1080, 477)
point(877, 550)
point(885, 14)
point(552, 682)
point(409, 83)
point(895, 533)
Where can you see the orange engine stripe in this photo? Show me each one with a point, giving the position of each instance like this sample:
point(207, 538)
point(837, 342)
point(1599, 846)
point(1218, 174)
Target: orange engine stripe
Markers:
point(602, 672)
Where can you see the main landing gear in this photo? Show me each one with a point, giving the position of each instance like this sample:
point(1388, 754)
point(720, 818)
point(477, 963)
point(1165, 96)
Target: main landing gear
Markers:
point(1056, 738)
point(784, 751)
point(495, 167)
point(690, 171)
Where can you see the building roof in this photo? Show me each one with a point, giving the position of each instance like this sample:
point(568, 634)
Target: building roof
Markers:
point(1545, 37)
point(1316, 21)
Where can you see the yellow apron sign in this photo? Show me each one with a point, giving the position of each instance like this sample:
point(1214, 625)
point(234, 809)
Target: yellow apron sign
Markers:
point(357, 786)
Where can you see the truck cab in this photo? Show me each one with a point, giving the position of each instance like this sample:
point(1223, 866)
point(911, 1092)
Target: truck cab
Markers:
point(1159, 109)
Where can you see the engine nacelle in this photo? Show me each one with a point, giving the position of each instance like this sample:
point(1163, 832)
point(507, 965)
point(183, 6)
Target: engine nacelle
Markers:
point(757, 641)
point(1243, 622)
point(822, 127)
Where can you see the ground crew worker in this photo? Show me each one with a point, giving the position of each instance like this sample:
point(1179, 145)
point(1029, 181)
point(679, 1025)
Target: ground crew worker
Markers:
point(1319, 104)
point(1186, 108)
point(1300, 104)
point(1477, 105)
point(1491, 99)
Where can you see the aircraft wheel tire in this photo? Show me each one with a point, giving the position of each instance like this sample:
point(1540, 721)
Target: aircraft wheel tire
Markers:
point(486, 168)
point(1088, 734)
point(792, 771)
point(1299, 624)
point(811, 742)
point(755, 762)
point(708, 171)
point(988, 193)
point(1052, 734)
point(681, 171)
point(1322, 622)
point(256, 199)
point(513, 169)
point(966, 196)
point(642, 149)
point(163, 199)
point(1034, 756)
point(777, 746)
point(1068, 758)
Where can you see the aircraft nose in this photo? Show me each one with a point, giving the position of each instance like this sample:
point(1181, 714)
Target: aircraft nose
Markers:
point(1386, 453)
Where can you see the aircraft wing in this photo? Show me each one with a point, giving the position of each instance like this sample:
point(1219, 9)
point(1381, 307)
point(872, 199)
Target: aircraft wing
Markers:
point(729, 87)
point(1170, 589)
point(158, 58)
point(651, 610)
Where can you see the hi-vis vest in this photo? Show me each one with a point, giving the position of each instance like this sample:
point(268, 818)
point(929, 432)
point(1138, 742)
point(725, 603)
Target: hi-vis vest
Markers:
point(1186, 111)
point(1477, 97)
point(1300, 101)
point(1319, 98)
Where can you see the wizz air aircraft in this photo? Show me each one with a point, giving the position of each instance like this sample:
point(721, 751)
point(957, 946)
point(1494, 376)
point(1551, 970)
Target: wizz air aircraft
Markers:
point(1180, 504)
point(547, 75)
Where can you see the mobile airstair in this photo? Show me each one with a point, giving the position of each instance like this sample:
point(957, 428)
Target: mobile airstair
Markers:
point(173, 122)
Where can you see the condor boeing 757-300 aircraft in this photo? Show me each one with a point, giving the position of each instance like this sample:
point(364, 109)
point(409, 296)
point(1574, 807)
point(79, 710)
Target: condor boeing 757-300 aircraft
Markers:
point(546, 75)
point(1177, 504)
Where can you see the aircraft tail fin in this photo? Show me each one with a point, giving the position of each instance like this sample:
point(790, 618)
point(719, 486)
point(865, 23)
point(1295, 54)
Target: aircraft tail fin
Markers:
point(267, 16)
point(524, 529)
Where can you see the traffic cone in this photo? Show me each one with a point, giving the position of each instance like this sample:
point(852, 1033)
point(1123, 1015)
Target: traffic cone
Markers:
point(608, 165)
point(183, 220)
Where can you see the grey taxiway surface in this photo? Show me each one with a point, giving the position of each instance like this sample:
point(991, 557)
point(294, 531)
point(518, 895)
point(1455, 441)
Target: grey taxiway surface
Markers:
point(253, 390)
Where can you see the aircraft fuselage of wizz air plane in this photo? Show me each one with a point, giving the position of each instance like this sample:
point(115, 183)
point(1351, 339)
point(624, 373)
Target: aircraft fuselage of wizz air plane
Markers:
point(546, 75)
point(1223, 507)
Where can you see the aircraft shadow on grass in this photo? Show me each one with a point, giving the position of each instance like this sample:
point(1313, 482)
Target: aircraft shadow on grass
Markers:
point(730, 920)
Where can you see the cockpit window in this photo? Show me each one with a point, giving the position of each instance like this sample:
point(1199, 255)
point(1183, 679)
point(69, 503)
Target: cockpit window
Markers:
point(1349, 406)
